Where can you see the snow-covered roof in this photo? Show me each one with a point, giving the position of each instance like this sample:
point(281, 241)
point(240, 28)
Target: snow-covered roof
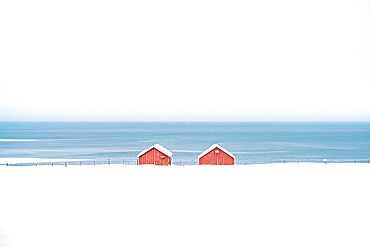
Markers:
point(213, 147)
point(159, 148)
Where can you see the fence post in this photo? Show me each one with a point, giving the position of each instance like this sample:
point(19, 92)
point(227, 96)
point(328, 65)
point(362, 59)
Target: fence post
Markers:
point(52, 164)
point(94, 162)
point(21, 164)
point(65, 163)
point(108, 161)
point(123, 161)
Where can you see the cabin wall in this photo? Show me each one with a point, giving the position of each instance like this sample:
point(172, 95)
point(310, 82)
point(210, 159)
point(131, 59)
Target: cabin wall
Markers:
point(213, 158)
point(153, 156)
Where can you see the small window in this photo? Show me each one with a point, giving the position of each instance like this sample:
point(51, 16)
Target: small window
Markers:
point(163, 157)
point(217, 151)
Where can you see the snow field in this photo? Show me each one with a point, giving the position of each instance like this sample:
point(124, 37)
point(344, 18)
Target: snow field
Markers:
point(256, 205)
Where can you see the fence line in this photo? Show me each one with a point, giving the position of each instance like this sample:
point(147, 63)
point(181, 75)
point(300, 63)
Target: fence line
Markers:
point(188, 162)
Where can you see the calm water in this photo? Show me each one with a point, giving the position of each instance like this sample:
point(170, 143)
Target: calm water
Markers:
point(252, 142)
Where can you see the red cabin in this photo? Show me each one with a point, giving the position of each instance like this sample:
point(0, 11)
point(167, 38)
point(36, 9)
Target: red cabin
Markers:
point(216, 155)
point(155, 155)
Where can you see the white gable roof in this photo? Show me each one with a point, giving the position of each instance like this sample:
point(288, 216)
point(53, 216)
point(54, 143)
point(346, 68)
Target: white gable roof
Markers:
point(159, 148)
point(213, 147)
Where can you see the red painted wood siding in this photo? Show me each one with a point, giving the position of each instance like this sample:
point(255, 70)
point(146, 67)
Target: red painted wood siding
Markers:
point(213, 158)
point(153, 156)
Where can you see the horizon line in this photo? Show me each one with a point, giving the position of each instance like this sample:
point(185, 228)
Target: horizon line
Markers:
point(189, 121)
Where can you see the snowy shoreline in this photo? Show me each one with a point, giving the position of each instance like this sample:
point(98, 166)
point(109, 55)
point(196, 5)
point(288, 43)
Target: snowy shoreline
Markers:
point(4, 161)
point(258, 205)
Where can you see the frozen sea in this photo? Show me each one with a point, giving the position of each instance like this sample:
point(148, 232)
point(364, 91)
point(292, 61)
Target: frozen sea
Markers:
point(250, 142)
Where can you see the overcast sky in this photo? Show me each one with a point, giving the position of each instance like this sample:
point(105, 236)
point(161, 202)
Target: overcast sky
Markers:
point(185, 60)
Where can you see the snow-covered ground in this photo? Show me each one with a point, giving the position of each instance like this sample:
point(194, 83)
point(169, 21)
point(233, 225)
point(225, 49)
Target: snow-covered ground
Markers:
point(255, 205)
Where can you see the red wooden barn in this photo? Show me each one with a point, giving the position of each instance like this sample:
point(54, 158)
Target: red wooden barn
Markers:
point(216, 155)
point(155, 155)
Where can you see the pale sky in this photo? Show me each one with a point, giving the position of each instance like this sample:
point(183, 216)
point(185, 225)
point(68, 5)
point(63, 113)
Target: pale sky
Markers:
point(185, 60)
